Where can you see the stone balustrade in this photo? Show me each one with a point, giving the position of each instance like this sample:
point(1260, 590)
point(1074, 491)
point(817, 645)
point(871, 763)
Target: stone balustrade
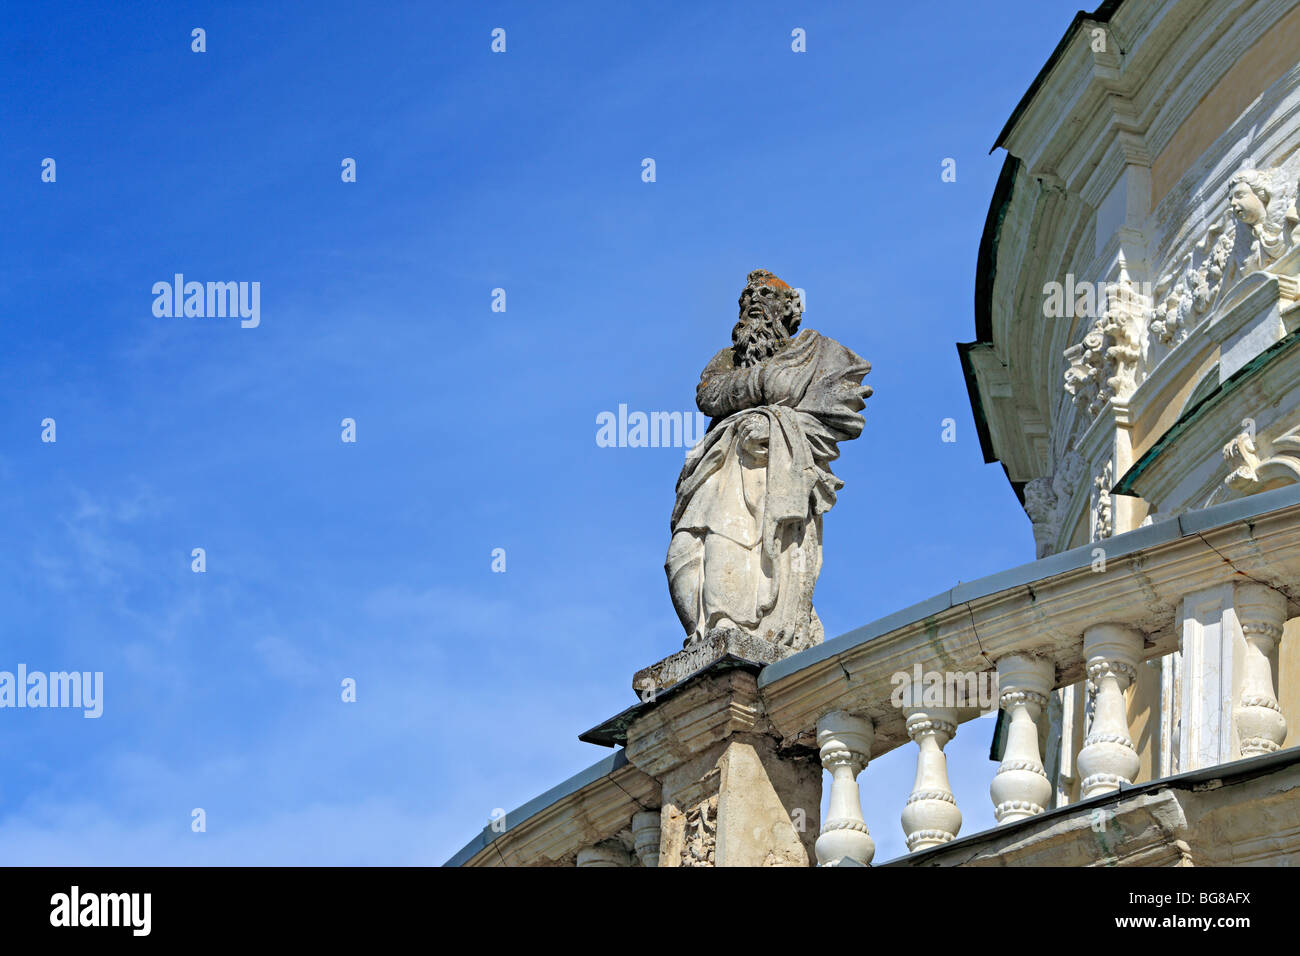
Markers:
point(1105, 651)
point(1213, 584)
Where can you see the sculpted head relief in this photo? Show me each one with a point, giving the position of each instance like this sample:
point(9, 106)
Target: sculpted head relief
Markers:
point(1261, 200)
point(1248, 196)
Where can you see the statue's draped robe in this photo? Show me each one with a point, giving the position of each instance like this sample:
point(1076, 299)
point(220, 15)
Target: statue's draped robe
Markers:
point(747, 534)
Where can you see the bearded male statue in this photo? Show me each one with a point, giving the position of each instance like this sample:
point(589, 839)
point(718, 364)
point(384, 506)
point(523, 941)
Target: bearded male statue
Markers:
point(746, 545)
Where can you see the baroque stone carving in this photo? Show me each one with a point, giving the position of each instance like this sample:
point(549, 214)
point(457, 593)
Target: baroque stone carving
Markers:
point(1257, 461)
point(1103, 366)
point(1041, 506)
point(701, 833)
point(1047, 501)
point(1264, 201)
point(1259, 227)
point(1103, 525)
point(747, 523)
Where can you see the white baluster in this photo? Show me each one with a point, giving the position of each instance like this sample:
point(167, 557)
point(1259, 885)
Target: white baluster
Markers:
point(931, 816)
point(645, 836)
point(606, 853)
point(845, 742)
point(1108, 758)
point(1021, 788)
point(1261, 728)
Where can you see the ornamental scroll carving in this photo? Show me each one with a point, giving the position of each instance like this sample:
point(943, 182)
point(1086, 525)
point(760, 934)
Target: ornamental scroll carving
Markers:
point(1103, 367)
point(1256, 463)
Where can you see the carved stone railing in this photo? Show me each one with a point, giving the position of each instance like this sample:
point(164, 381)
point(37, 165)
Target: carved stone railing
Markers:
point(1039, 627)
point(1046, 634)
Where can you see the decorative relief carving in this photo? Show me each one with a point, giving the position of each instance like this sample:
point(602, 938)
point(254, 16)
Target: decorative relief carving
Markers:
point(1259, 227)
point(701, 833)
point(1264, 200)
point(1041, 506)
point(1084, 378)
point(1103, 366)
point(1185, 294)
point(1069, 471)
point(1241, 455)
point(1103, 525)
point(1257, 462)
point(1047, 501)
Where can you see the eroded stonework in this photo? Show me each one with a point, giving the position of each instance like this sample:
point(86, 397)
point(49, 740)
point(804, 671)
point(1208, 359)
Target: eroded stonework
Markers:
point(701, 833)
point(747, 524)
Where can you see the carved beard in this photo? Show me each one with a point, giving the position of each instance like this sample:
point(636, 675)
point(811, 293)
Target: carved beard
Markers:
point(756, 341)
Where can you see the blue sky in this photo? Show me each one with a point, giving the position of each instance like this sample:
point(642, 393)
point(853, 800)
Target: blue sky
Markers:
point(475, 429)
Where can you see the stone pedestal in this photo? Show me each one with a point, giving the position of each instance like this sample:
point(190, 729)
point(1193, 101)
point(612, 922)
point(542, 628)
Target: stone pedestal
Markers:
point(719, 645)
point(731, 796)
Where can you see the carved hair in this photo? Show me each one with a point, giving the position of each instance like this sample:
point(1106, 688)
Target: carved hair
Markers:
point(1260, 184)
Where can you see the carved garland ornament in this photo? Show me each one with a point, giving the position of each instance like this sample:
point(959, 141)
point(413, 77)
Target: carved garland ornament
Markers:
point(1259, 227)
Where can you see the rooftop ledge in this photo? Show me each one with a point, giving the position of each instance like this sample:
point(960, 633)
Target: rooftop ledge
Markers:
point(1041, 608)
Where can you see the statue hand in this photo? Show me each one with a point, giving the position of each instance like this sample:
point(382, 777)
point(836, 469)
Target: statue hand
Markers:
point(753, 431)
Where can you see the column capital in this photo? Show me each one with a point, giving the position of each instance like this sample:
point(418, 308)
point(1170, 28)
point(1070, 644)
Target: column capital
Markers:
point(940, 722)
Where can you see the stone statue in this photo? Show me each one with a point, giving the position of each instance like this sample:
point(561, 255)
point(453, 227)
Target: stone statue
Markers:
point(746, 543)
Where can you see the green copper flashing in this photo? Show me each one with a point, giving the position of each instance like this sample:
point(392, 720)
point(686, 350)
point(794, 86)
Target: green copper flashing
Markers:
point(1198, 409)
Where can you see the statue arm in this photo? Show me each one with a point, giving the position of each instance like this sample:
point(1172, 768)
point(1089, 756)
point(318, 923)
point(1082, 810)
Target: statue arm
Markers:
point(724, 389)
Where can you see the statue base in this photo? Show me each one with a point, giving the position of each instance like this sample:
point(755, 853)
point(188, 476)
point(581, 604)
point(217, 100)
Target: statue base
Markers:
point(720, 643)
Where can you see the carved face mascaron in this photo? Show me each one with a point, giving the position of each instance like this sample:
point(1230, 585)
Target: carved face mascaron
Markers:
point(1246, 203)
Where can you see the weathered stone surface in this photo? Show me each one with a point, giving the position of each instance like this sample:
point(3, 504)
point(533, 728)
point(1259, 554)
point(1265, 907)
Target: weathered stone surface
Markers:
point(731, 795)
point(747, 523)
point(719, 644)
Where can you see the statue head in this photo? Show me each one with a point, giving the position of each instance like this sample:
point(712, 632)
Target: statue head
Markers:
point(770, 312)
point(1248, 195)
